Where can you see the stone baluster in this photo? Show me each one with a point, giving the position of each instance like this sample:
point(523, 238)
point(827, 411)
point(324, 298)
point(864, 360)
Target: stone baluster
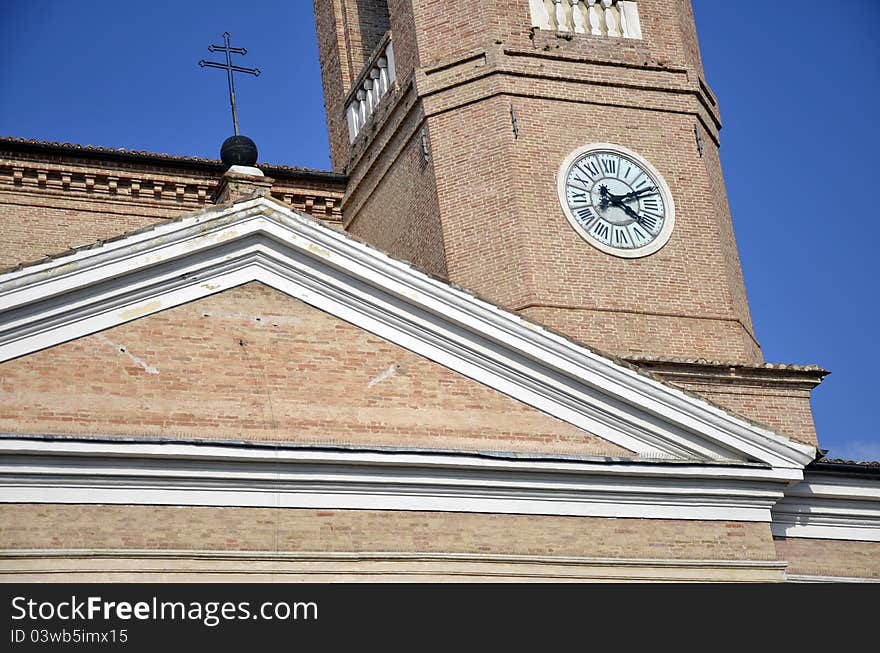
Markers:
point(624, 31)
point(361, 97)
point(375, 85)
point(540, 15)
point(594, 16)
point(376, 91)
point(383, 82)
point(616, 18)
point(577, 17)
point(372, 92)
point(561, 23)
point(392, 70)
point(611, 23)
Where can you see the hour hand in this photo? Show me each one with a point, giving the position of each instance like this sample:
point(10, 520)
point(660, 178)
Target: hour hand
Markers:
point(608, 196)
point(635, 216)
point(637, 193)
point(617, 201)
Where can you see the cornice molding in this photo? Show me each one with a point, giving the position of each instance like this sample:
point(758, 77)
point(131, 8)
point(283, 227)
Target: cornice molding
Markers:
point(807, 578)
point(60, 471)
point(830, 506)
point(149, 187)
point(44, 563)
point(261, 240)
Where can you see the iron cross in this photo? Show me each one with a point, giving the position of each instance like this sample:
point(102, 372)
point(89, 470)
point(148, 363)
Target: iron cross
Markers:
point(230, 68)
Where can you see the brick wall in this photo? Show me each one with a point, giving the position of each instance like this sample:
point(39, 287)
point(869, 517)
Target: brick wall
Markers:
point(841, 558)
point(507, 239)
point(348, 33)
point(785, 411)
point(56, 197)
point(777, 396)
point(669, 35)
point(254, 364)
point(391, 201)
point(267, 529)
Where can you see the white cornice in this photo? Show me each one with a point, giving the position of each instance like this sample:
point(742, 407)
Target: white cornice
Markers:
point(806, 578)
point(260, 240)
point(830, 506)
point(102, 472)
point(46, 564)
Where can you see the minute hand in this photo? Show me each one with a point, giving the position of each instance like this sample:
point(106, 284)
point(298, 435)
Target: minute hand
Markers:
point(632, 195)
point(635, 216)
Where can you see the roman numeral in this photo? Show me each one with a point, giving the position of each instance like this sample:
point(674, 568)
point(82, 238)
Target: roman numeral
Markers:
point(620, 237)
point(590, 168)
point(601, 230)
point(586, 216)
point(651, 203)
point(610, 166)
point(648, 222)
point(578, 197)
point(638, 234)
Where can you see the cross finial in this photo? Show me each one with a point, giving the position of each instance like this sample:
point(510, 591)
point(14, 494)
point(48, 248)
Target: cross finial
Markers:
point(229, 67)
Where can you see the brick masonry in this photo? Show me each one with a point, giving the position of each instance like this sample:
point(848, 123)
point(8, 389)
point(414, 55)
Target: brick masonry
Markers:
point(55, 197)
point(502, 233)
point(840, 558)
point(254, 364)
point(777, 396)
point(267, 529)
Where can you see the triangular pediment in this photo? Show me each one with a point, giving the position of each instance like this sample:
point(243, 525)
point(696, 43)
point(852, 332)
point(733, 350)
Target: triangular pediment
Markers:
point(262, 241)
point(252, 364)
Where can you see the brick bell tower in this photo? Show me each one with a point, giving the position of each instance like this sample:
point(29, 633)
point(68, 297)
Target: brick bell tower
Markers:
point(557, 157)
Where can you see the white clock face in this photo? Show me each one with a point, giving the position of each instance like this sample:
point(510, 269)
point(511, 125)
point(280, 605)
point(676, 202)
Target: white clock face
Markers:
point(616, 200)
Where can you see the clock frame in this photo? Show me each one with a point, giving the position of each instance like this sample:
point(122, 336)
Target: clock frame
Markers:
point(611, 228)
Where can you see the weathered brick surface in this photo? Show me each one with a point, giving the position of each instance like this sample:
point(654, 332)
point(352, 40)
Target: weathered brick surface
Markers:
point(33, 526)
point(669, 35)
point(777, 396)
point(785, 411)
point(840, 558)
point(392, 201)
point(635, 333)
point(254, 364)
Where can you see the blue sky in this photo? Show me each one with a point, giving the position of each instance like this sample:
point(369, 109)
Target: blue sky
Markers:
point(798, 85)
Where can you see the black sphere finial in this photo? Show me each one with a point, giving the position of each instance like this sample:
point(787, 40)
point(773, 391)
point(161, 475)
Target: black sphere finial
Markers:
point(238, 151)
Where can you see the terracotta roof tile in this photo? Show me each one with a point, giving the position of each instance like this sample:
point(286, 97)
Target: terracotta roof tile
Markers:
point(703, 361)
point(843, 461)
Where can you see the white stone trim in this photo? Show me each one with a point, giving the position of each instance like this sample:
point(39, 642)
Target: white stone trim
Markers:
point(109, 472)
point(805, 578)
point(261, 240)
point(830, 506)
point(67, 564)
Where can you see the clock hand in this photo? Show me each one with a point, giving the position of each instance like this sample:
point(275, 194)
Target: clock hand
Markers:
point(635, 216)
point(607, 196)
point(636, 193)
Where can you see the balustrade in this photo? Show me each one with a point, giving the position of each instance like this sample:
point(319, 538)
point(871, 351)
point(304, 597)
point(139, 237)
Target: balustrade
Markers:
point(616, 18)
point(369, 89)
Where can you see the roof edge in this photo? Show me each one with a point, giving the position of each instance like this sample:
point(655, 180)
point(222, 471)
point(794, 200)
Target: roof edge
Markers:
point(122, 155)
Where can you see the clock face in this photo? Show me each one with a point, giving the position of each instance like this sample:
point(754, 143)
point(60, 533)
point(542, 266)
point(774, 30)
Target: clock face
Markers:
point(616, 200)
